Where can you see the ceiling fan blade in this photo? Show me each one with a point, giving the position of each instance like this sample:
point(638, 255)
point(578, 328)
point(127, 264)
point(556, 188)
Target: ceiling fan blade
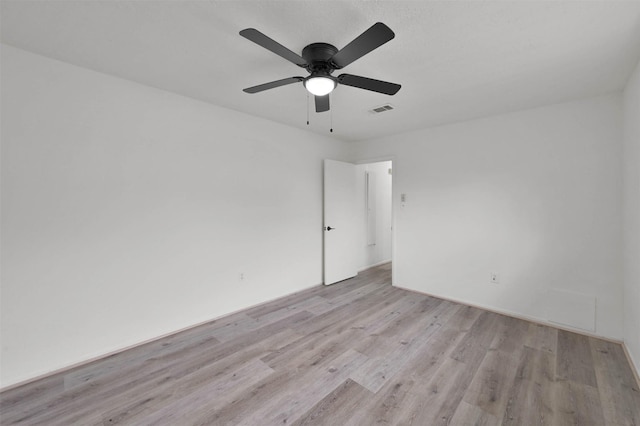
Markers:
point(258, 38)
point(377, 35)
point(369, 84)
point(272, 84)
point(322, 103)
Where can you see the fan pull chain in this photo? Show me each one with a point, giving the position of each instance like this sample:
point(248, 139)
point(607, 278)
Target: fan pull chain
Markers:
point(307, 108)
point(331, 112)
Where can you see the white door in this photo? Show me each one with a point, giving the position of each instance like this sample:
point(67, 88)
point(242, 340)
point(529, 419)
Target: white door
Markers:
point(340, 221)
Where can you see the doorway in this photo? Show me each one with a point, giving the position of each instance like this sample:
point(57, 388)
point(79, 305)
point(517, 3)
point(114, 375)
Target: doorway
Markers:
point(358, 218)
point(374, 198)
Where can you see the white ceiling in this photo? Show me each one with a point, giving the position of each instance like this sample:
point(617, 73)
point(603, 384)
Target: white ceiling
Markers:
point(455, 60)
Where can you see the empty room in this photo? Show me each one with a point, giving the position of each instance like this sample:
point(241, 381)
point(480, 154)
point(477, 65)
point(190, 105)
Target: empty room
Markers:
point(320, 213)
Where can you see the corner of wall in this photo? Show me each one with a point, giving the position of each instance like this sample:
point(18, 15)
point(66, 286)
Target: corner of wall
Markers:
point(631, 218)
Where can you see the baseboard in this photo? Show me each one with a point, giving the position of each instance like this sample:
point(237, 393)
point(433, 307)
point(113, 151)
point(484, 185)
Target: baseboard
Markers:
point(364, 268)
point(633, 365)
point(518, 316)
point(144, 342)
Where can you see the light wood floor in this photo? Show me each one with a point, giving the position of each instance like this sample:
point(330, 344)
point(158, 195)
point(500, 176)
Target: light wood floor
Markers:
point(359, 352)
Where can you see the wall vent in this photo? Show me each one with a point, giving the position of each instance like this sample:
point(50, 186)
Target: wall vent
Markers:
point(381, 108)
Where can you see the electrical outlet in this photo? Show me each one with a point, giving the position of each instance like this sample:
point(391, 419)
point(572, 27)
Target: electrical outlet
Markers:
point(494, 278)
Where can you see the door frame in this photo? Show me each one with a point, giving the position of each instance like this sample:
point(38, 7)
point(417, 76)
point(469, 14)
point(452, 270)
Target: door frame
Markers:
point(393, 160)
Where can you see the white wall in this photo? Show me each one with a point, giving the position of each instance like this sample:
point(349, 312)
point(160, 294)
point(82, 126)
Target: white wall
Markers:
point(631, 157)
point(129, 212)
point(375, 242)
point(534, 196)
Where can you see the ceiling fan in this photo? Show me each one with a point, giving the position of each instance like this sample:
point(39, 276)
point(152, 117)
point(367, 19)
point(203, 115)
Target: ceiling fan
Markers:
point(322, 59)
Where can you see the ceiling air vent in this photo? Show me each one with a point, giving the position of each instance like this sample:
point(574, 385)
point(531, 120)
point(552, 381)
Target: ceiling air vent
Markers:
point(382, 108)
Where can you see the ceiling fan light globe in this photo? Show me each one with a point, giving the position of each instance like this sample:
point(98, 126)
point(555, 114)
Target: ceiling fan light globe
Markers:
point(319, 86)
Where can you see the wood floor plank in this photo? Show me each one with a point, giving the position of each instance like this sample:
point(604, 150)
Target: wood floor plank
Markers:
point(359, 352)
point(510, 335)
point(240, 325)
point(473, 347)
point(386, 406)
point(285, 301)
point(100, 388)
point(337, 408)
point(349, 309)
point(315, 305)
point(530, 399)
point(574, 361)
point(171, 387)
point(438, 398)
point(22, 400)
point(386, 315)
point(618, 390)
point(257, 396)
point(489, 389)
point(421, 307)
point(471, 415)
point(335, 330)
point(396, 396)
point(311, 386)
point(211, 397)
point(402, 351)
point(179, 343)
point(382, 343)
point(465, 318)
point(577, 404)
point(542, 337)
point(440, 347)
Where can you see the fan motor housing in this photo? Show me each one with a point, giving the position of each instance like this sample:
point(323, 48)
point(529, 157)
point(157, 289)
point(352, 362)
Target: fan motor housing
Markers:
point(318, 56)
